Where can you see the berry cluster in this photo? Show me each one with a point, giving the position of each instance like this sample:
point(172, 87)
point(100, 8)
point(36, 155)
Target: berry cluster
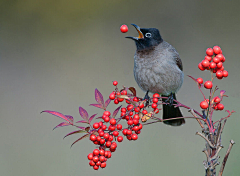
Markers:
point(214, 62)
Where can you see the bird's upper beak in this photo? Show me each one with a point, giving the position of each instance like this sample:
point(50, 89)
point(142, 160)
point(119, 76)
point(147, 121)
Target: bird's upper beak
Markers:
point(140, 34)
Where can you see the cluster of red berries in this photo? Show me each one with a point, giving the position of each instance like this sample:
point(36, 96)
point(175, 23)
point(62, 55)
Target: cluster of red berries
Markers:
point(214, 61)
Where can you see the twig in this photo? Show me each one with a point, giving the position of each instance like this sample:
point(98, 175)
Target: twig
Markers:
point(194, 114)
point(225, 158)
point(220, 133)
point(210, 144)
point(205, 151)
point(218, 150)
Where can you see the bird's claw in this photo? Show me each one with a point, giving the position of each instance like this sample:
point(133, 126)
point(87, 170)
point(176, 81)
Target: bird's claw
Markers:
point(146, 97)
point(170, 99)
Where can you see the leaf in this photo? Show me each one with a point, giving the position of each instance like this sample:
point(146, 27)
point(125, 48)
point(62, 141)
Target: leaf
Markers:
point(75, 132)
point(87, 129)
point(91, 118)
point(70, 118)
point(200, 85)
point(61, 125)
point(133, 90)
point(82, 121)
point(83, 113)
point(107, 103)
point(222, 92)
point(58, 114)
point(97, 105)
point(99, 97)
point(123, 96)
point(83, 128)
point(84, 136)
point(116, 111)
point(99, 117)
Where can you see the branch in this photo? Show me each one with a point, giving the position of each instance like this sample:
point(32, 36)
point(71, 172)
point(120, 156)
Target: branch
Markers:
point(225, 158)
point(210, 144)
point(194, 114)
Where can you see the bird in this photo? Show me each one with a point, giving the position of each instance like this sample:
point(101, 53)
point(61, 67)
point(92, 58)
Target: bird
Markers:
point(158, 69)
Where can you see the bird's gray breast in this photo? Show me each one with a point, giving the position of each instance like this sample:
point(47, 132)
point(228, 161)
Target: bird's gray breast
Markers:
point(156, 70)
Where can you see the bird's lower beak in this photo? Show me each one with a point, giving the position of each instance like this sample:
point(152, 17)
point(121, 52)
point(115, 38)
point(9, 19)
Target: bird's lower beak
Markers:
point(140, 34)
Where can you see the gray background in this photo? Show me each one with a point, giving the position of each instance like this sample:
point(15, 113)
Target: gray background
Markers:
point(53, 54)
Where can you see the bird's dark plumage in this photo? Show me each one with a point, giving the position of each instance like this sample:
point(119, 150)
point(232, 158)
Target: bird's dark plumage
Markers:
point(158, 69)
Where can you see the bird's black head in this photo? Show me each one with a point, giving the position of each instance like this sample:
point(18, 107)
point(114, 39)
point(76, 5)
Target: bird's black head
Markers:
point(148, 37)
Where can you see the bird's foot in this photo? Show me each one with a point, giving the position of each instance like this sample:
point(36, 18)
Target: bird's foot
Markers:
point(146, 97)
point(170, 99)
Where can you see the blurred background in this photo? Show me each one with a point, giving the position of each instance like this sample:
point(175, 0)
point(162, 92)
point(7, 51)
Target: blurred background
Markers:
point(53, 54)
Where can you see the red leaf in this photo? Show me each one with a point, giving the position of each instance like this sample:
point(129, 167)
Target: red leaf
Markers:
point(107, 103)
point(91, 118)
point(116, 111)
point(222, 92)
point(97, 105)
point(61, 125)
point(58, 114)
point(83, 128)
point(75, 132)
point(133, 90)
point(99, 97)
point(70, 118)
point(83, 113)
point(84, 136)
point(82, 121)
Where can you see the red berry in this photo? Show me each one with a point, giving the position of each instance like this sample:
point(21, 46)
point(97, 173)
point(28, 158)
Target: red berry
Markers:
point(101, 158)
point(137, 109)
point(95, 152)
point(101, 133)
point(129, 137)
point(119, 138)
point(204, 105)
point(134, 136)
point(213, 65)
point(91, 163)
point(115, 83)
point(107, 113)
point(205, 63)
point(128, 102)
point(104, 127)
point(155, 100)
point(144, 112)
point(129, 132)
point(217, 99)
point(110, 138)
point(106, 119)
point(102, 141)
point(135, 99)
point(123, 110)
point(111, 128)
point(208, 84)
point(95, 159)
point(125, 132)
point(221, 57)
point(98, 138)
point(130, 122)
point(102, 152)
point(96, 125)
point(124, 28)
point(156, 95)
point(103, 165)
point(156, 110)
point(209, 51)
point(112, 121)
point(138, 132)
point(106, 135)
point(130, 113)
point(220, 106)
point(113, 146)
point(135, 121)
point(129, 107)
point(123, 92)
point(136, 116)
point(115, 133)
point(219, 74)
point(95, 167)
point(116, 101)
point(119, 126)
point(217, 50)
point(141, 105)
point(93, 138)
point(216, 60)
point(219, 65)
point(225, 73)
point(98, 163)
point(201, 67)
point(140, 126)
point(200, 80)
point(90, 156)
point(135, 128)
point(112, 96)
point(208, 58)
point(154, 105)
point(108, 144)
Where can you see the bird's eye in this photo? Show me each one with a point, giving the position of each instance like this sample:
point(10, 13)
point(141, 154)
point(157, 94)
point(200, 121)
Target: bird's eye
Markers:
point(148, 35)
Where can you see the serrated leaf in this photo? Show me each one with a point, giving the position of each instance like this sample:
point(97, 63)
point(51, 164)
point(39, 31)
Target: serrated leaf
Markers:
point(75, 132)
point(84, 136)
point(91, 118)
point(58, 114)
point(83, 113)
point(61, 125)
point(70, 118)
point(97, 105)
point(99, 97)
point(133, 90)
point(116, 111)
point(82, 121)
point(107, 103)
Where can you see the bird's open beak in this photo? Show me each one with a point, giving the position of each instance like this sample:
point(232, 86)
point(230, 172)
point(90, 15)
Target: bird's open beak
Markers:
point(140, 34)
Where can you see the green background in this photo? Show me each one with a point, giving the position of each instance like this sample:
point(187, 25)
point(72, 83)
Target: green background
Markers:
point(53, 54)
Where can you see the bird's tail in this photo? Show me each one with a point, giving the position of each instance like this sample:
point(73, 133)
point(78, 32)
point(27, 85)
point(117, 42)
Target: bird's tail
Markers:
point(172, 112)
